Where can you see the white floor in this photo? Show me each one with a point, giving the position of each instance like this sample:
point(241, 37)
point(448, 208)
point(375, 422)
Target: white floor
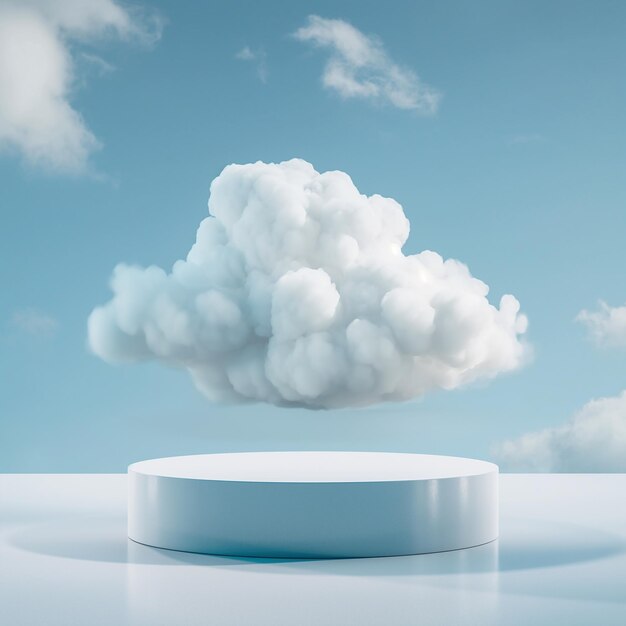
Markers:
point(65, 559)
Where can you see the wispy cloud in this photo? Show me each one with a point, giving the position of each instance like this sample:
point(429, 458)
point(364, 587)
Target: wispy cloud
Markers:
point(38, 39)
point(606, 325)
point(256, 57)
point(359, 67)
point(97, 63)
point(35, 322)
point(594, 440)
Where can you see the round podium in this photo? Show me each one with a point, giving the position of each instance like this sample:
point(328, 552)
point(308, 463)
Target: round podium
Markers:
point(313, 504)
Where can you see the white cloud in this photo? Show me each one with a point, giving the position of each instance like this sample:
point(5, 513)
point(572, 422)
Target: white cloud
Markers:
point(607, 325)
point(245, 54)
point(35, 322)
point(359, 67)
point(98, 63)
point(594, 440)
point(296, 291)
point(37, 43)
point(258, 57)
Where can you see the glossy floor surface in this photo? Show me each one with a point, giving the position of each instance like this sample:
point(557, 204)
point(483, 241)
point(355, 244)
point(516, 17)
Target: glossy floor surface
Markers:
point(65, 560)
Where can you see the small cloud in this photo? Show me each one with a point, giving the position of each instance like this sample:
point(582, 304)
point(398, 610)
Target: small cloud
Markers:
point(38, 42)
point(245, 54)
point(258, 57)
point(35, 322)
point(524, 139)
point(594, 440)
point(359, 67)
point(97, 63)
point(606, 326)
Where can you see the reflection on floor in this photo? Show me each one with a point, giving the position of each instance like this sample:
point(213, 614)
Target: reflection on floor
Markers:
point(65, 559)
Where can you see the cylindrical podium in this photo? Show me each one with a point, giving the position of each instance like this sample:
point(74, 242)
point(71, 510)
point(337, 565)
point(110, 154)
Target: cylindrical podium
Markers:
point(313, 504)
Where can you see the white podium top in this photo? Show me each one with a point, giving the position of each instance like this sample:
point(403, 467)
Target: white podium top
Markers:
point(305, 467)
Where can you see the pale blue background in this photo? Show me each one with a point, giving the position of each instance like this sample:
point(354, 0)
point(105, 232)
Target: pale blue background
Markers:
point(544, 219)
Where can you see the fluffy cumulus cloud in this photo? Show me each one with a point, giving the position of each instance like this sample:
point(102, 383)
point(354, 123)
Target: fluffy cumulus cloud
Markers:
point(37, 74)
point(607, 325)
point(296, 292)
point(359, 67)
point(594, 440)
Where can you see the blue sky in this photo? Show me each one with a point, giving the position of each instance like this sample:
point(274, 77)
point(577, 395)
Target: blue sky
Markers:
point(519, 174)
